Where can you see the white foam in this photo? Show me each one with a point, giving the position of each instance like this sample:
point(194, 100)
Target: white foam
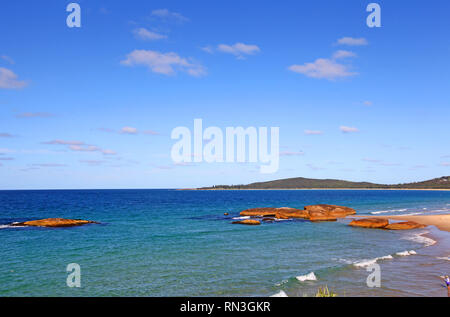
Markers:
point(9, 226)
point(413, 214)
point(242, 217)
point(280, 294)
point(308, 277)
point(419, 238)
point(406, 253)
point(379, 212)
point(365, 263)
point(444, 258)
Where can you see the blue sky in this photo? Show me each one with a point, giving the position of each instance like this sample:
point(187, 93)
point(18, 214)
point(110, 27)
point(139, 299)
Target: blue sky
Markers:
point(94, 107)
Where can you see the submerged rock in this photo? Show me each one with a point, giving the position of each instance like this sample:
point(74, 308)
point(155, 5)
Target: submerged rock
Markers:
point(369, 223)
point(250, 222)
point(54, 222)
point(406, 225)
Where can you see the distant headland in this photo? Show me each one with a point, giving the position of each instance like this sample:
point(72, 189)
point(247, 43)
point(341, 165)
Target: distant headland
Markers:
point(442, 183)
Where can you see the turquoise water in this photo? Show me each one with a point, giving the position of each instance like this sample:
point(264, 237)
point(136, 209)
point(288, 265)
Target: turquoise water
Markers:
point(179, 243)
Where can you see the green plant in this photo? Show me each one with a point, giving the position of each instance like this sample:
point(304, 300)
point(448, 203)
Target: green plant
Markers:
point(325, 292)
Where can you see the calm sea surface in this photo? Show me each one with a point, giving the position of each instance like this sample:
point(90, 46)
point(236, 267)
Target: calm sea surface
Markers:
point(179, 243)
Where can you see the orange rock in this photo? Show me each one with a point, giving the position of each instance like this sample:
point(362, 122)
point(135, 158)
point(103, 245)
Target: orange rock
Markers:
point(54, 222)
point(247, 222)
point(286, 213)
point(332, 210)
point(320, 216)
point(267, 211)
point(406, 225)
point(369, 223)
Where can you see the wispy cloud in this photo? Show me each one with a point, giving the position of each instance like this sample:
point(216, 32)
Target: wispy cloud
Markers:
point(324, 68)
point(34, 115)
point(371, 160)
point(129, 130)
point(346, 129)
point(368, 103)
point(343, 54)
point(445, 164)
point(79, 146)
point(169, 15)
point(239, 49)
point(9, 80)
point(291, 153)
point(8, 59)
point(6, 135)
point(64, 142)
point(92, 162)
point(352, 41)
point(49, 165)
point(144, 34)
point(313, 132)
point(163, 63)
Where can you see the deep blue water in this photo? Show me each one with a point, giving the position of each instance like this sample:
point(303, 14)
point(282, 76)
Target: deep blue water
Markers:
point(179, 243)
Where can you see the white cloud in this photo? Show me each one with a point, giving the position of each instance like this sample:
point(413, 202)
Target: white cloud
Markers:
point(351, 41)
point(129, 130)
point(163, 63)
point(8, 80)
point(166, 14)
point(144, 34)
point(239, 49)
point(345, 129)
point(313, 132)
point(343, 54)
point(445, 164)
point(322, 68)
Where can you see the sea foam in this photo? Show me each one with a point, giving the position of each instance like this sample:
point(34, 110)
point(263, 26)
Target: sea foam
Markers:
point(406, 253)
point(365, 263)
point(279, 294)
point(308, 277)
point(419, 238)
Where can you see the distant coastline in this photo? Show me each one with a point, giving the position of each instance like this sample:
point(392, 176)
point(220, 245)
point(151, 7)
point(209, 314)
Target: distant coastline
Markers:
point(301, 183)
point(433, 189)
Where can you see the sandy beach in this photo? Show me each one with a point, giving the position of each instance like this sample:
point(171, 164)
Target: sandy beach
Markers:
point(442, 222)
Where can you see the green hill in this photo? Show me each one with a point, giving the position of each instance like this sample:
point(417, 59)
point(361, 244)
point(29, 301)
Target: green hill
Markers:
point(303, 183)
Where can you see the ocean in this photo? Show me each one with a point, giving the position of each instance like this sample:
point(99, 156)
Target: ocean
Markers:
point(180, 243)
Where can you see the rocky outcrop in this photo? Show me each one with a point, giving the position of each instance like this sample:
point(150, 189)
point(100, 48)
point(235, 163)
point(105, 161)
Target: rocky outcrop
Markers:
point(54, 222)
point(316, 215)
point(331, 210)
point(406, 225)
point(369, 223)
point(250, 222)
point(287, 213)
point(262, 212)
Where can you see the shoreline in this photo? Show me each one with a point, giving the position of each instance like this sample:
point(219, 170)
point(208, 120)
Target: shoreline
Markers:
point(442, 222)
point(423, 189)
